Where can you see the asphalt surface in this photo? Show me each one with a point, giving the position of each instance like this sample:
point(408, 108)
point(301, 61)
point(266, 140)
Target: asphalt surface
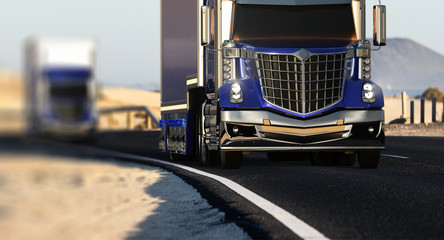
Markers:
point(402, 199)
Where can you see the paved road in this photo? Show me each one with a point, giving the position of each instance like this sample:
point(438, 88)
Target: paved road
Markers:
point(404, 198)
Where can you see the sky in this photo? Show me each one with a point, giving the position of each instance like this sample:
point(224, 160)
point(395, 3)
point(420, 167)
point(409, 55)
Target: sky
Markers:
point(129, 31)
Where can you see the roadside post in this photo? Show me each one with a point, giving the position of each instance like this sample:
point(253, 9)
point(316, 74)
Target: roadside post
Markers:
point(404, 105)
point(129, 119)
point(422, 110)
point(412, 112)
point(148, 122)
point(433, 109)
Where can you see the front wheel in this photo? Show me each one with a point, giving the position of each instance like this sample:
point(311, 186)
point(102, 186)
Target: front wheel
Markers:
point(231, 160)
point(207, 157)
point(369, 159)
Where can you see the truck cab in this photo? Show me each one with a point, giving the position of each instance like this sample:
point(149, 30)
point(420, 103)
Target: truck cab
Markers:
point(277, 76)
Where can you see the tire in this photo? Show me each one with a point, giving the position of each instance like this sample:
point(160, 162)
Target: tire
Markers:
point(231, 160)
point(345, 159)
point(322, 159)
point(369, 160)
point(208, 157)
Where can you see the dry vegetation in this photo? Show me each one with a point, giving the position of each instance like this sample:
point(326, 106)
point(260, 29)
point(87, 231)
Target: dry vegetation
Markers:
point(433, 93)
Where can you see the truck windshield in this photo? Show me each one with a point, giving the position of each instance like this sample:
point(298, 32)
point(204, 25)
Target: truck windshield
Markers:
point(280, 26)
point(68, 82)
point(76, 89)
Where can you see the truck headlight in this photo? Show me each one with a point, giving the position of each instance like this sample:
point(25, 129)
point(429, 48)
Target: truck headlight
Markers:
point(368, 94)
point(236, 94)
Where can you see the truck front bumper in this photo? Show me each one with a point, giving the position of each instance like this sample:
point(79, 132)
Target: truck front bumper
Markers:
point(261, 130)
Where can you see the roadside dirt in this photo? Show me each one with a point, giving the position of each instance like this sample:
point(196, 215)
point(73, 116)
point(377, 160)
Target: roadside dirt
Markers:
point(58, 197)
point(72, 199)
point(420, 130)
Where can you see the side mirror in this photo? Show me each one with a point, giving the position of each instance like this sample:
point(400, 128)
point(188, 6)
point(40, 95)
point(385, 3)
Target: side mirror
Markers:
point(205, 25)
point(379, 25)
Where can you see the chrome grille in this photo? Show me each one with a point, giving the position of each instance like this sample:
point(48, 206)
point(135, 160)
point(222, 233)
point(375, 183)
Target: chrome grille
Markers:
point(302, 85)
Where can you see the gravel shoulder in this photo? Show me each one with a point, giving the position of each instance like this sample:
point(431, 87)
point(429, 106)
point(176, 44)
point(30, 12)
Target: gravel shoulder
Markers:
point(61, 197)
point(418, 130)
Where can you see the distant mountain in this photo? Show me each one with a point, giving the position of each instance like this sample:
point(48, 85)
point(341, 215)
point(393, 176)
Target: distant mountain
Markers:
point(407, 65)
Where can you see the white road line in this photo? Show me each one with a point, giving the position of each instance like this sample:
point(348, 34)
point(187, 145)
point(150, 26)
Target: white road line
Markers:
point(394, 156)
point(295, 224)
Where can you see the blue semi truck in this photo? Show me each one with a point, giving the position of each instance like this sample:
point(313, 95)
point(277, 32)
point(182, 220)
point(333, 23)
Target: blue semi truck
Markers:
point(61, 87)
point(286, 77)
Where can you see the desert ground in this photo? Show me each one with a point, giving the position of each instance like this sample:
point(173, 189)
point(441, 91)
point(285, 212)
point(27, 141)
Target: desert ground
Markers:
point(67, 198)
